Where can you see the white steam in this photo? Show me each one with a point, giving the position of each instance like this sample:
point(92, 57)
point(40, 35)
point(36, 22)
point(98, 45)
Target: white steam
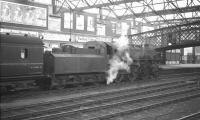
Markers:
point(121, 60)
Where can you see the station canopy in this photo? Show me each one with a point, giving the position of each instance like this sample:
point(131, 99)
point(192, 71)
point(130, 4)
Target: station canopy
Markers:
point(151, 13)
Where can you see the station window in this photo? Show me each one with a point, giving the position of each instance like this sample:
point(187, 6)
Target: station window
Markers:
point(24, 53)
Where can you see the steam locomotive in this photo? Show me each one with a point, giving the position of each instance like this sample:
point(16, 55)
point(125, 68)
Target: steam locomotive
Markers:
point(24, 63)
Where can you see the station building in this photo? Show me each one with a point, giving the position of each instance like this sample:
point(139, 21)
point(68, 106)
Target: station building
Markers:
point(59, 22)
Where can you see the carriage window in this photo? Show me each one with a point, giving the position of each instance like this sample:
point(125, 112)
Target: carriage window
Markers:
point(91, 47)
point(24, 53)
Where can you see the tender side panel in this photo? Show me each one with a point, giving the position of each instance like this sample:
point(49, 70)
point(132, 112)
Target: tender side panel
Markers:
point(76, 63)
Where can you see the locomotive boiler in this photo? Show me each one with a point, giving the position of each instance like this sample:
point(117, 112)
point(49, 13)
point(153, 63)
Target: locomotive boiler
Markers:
point(145, 61)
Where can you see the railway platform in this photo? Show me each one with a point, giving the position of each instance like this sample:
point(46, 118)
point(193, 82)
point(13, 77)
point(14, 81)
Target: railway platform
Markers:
point(179, 66)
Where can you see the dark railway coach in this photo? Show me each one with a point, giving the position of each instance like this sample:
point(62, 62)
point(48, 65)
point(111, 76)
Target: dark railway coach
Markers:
point(21, 60)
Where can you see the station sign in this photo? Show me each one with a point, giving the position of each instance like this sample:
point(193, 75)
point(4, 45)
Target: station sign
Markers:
point(20, 15)
point(55, 37)
point(80, 38)
point(54, 24)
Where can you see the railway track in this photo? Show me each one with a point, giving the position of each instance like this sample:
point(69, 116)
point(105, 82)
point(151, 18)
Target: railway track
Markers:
point(106, 104)
point(187, 109)
point(92, 85)
point(123, 86)
point(193, 116)
point(35, 91)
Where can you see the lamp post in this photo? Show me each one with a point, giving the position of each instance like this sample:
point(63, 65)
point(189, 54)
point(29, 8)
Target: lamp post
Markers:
point(70, 32)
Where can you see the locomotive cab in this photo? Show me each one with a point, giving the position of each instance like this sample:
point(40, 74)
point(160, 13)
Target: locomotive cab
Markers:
point(104, 48)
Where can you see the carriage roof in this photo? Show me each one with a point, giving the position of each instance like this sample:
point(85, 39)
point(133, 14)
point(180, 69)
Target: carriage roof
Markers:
point(18, 39)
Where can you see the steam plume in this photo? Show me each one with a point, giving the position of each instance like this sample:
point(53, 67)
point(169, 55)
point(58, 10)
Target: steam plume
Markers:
point(121, 60)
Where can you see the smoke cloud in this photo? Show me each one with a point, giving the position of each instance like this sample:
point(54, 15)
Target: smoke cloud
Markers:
point(121, 60)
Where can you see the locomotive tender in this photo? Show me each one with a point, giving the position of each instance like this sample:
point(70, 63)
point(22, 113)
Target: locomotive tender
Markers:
point(24, 63)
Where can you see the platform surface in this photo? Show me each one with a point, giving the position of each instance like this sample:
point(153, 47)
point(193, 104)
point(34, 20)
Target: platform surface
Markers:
point(179, 66)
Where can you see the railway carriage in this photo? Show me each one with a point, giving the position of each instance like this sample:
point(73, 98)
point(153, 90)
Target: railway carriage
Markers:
point(21, 60)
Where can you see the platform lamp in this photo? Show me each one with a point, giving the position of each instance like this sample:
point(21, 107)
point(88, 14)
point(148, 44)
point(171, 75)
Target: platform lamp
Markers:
point(70, 29)
point(169, 44)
